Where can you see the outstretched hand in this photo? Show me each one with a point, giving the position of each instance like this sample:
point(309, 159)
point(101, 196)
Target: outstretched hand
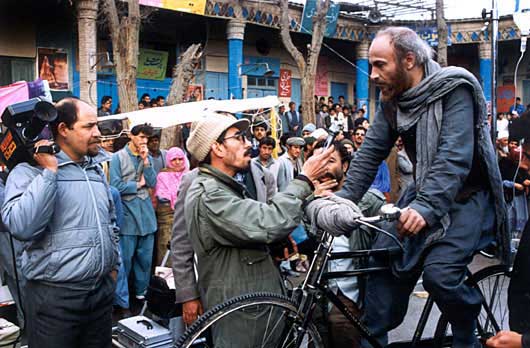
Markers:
point(316, 165)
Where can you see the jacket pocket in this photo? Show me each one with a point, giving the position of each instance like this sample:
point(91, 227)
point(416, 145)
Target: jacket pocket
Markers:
point(253, 256)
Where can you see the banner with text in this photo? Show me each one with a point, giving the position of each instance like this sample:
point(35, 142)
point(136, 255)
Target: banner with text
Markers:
point(321, 80)
point(152, 64)
point(285, 85)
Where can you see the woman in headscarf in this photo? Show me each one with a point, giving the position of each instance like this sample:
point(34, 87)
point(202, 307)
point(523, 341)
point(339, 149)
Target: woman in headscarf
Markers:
point(168, 180)
point(167, 185)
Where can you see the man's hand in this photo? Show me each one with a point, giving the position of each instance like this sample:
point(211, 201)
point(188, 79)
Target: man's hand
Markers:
point(518, 186)
point(191, 311)
point(410, 223)
point(144, 151)
point(323, 189)
point(45, 160)
point(505, 339)
point(141, 183)
point(316, 165)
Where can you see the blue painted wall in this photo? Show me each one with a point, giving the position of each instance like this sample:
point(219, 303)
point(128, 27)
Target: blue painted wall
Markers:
point(361, 85)
point(338, 89)
point(485, 77)
point(216, 85)
point(107, 86)
point(296, 92)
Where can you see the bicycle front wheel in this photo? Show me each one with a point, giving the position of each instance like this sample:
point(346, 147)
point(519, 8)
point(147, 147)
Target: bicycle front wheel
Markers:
point(265, 320)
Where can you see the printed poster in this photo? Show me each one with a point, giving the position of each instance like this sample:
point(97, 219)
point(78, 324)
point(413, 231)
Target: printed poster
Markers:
point(152, 65)
point(195, 93)
point(53, 67)
point(505, 97)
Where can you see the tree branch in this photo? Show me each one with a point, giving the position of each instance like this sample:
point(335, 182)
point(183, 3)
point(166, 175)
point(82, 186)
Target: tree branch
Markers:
point(286, 37)
point(319, 29)
point(111, 15)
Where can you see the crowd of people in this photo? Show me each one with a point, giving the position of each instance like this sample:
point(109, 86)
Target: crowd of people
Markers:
point(91, 222)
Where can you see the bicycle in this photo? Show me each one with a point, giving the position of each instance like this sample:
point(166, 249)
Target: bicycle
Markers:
point(289, 319)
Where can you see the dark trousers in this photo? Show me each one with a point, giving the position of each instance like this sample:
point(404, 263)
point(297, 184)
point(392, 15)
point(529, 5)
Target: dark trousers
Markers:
point(519, 289)
point(62, 317)
point(343, 334)
point(444, 265)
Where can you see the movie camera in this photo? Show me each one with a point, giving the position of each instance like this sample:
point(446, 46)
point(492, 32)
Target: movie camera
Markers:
point(26, 123)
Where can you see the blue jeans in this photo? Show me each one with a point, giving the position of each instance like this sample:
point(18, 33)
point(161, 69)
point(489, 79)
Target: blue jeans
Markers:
point(443, 264)
point(137, 256)
point(121, 296)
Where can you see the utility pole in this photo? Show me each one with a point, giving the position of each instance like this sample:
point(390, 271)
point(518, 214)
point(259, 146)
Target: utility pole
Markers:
point(442, 33)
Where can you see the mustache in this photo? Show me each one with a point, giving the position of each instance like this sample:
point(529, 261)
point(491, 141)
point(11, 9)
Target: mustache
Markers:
point(248, 152)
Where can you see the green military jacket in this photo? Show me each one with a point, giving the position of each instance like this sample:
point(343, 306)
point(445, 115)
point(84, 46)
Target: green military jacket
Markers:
point(230, 233)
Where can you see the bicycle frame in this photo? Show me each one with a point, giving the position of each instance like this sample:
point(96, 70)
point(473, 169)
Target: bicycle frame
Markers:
point(315, 286)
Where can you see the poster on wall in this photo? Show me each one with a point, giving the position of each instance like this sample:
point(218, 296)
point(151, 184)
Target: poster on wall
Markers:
point(284, 84)
point(321, 80)
point(505, 97)
point(190, 6)
point(152, 65)
point(52, 66)
point(194, 93)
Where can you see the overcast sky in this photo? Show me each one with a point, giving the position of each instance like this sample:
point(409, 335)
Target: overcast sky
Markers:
point(461, 8)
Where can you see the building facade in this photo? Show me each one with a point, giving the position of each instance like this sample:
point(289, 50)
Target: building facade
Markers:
point(241, 44)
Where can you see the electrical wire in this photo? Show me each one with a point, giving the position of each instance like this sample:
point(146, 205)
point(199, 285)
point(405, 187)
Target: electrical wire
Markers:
point(523, 50)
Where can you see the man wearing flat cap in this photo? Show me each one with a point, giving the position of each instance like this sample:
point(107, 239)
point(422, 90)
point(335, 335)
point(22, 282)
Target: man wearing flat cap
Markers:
point(290, 163)
point(229, 231)
point(259, 131)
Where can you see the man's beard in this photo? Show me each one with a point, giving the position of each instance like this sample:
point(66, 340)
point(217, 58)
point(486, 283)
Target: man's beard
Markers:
point(398, 84)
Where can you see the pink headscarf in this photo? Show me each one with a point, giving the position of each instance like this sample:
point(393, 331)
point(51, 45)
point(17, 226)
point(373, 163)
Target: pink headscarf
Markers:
point(168, 182)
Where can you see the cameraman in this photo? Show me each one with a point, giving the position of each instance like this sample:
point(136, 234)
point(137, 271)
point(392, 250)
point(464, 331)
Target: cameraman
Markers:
point(63, 211)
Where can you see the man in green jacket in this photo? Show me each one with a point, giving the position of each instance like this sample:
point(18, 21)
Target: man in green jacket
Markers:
point(229, 231)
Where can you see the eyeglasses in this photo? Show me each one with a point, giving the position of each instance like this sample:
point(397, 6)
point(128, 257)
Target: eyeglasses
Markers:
point(360, 134)
point(241, 136)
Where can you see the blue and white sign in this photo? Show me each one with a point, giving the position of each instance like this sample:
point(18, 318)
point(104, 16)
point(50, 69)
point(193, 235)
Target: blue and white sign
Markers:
point(430, 33)
point(310, 9)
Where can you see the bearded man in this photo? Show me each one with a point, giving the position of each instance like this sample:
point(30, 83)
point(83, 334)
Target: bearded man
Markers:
point(454, 204)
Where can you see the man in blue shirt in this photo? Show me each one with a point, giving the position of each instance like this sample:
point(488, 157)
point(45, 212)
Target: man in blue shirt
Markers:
point(132, 173)
point(517, 107)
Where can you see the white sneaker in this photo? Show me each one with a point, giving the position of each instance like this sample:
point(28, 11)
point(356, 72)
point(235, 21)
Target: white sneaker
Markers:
point(140, 297)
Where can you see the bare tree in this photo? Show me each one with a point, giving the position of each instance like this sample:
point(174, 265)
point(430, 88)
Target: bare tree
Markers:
point(183, 73)
point(124, 28)
point(442, 33)
point(307, 66)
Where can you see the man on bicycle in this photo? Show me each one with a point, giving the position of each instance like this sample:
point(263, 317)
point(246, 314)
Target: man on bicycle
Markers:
point(455, 204)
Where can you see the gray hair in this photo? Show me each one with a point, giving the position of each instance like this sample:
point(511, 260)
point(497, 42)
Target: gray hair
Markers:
point(406, 41)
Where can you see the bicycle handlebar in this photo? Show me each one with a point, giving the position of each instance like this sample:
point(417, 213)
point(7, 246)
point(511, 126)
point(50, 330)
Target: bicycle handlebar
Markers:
point(388, 212)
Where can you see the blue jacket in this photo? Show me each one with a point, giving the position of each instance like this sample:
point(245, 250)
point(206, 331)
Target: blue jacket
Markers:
point(66, 220)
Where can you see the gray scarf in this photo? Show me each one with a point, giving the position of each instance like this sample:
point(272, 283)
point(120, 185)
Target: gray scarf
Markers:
point(422, 106)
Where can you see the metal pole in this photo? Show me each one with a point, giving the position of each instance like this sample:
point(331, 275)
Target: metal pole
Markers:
point(494, 59)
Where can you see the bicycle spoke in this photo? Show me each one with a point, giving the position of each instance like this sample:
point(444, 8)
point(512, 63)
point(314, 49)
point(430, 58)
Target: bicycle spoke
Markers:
point(273, 329)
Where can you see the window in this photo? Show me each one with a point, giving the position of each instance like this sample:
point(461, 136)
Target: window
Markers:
point(16, 69)
point(262, 82)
